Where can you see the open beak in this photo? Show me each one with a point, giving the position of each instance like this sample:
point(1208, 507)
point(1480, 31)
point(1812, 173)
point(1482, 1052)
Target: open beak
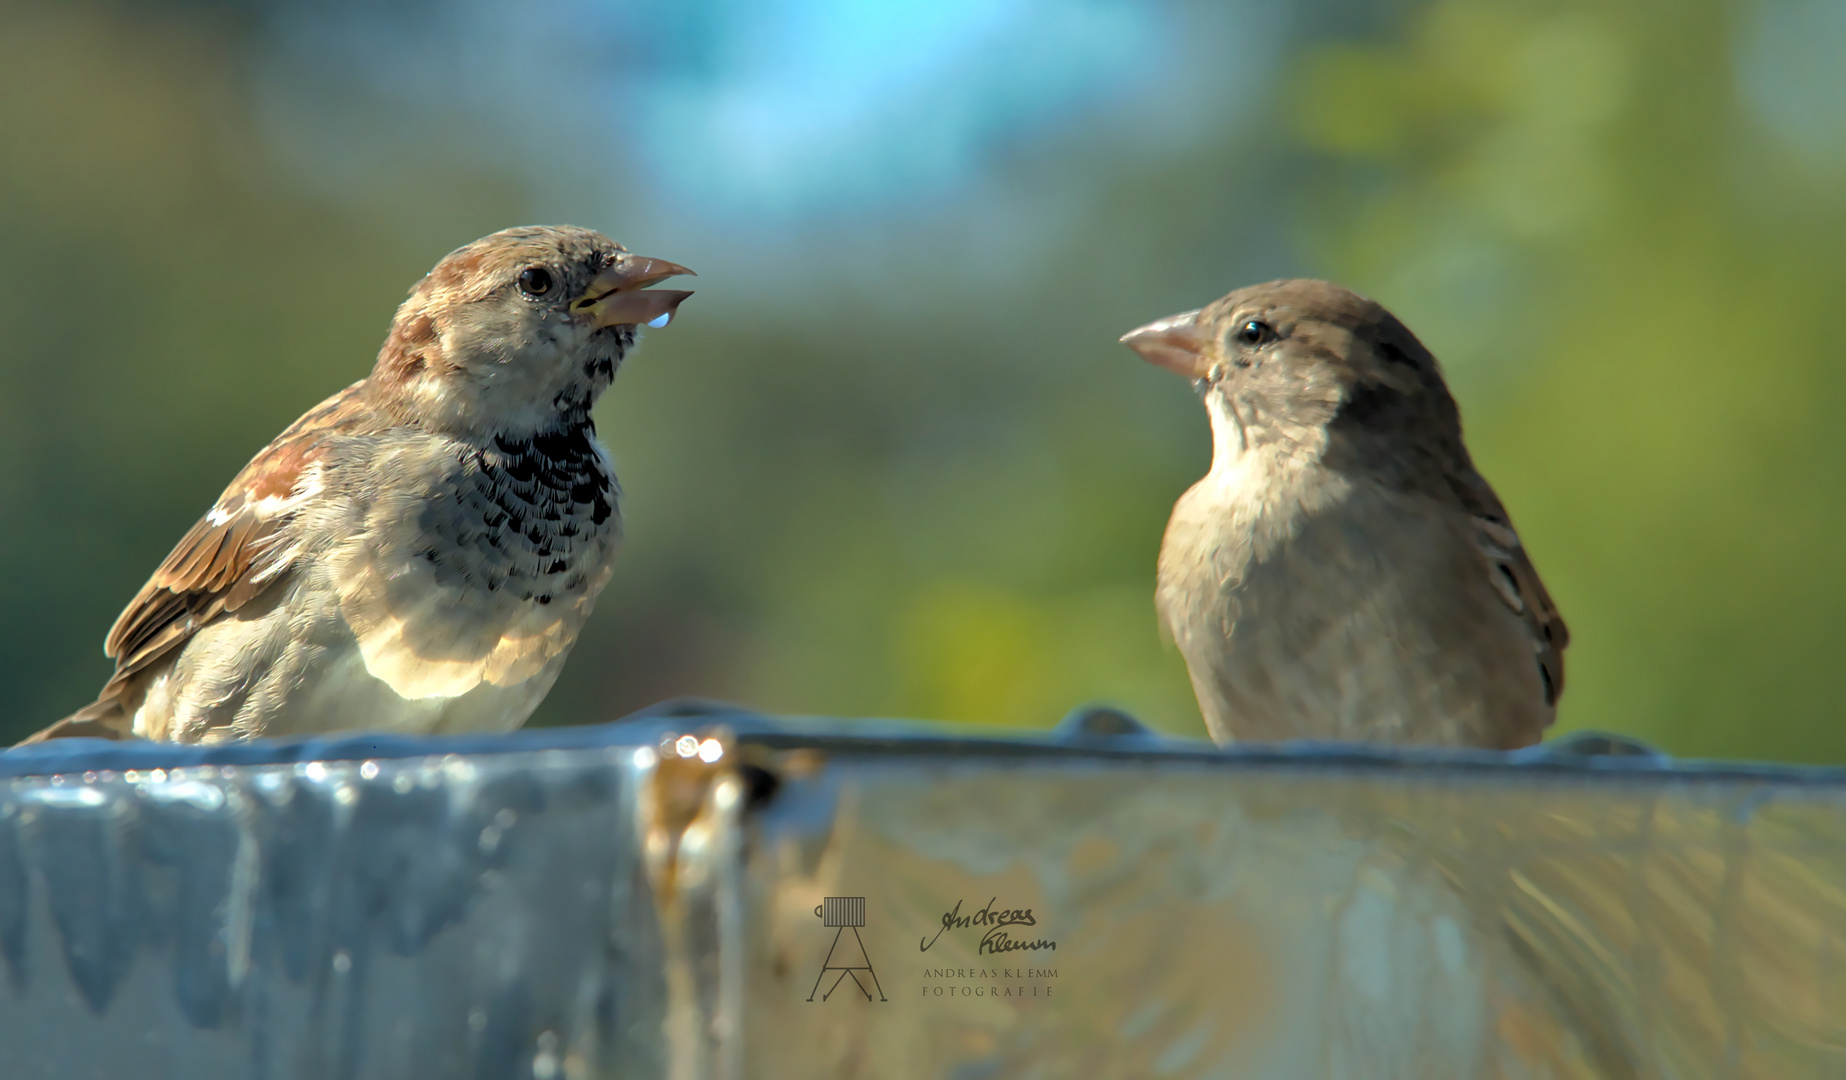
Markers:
point(621, 295)
point(1174, 343)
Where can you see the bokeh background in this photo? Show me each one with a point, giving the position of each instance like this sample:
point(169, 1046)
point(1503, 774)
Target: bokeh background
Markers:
point(891, 461)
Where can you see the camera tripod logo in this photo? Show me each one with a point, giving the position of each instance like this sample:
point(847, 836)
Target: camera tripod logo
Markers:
point(844, 913)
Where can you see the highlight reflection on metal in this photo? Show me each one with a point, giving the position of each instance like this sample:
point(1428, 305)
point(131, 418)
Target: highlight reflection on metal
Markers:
point(591, 903)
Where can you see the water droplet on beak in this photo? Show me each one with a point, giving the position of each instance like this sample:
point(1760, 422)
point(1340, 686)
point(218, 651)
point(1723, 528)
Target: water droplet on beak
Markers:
point(660, 320)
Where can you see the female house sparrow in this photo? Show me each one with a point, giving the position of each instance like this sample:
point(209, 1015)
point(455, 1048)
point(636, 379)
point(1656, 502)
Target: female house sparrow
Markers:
point(418, 552)
point(1343, 572)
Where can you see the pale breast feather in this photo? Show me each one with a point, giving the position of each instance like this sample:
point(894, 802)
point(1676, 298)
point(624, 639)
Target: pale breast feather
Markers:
point(491, 581)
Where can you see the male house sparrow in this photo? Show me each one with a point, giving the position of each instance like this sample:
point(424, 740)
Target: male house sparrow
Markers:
point(418, 552)
point(1343, 572)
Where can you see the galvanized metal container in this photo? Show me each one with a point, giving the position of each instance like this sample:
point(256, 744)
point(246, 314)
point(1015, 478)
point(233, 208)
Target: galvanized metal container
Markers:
point(706, 892)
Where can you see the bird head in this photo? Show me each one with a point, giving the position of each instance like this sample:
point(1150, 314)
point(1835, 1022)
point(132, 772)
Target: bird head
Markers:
point(520, 328)
point(1286, 359)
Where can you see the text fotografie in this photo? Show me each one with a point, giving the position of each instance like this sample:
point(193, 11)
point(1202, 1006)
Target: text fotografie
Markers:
point(935, 982)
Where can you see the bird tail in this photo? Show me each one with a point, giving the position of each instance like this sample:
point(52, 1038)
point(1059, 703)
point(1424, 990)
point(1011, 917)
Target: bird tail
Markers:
point(104, 718)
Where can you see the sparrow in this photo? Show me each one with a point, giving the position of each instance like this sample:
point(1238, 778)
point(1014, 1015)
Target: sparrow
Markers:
point(418, 553)
point(1343, 572)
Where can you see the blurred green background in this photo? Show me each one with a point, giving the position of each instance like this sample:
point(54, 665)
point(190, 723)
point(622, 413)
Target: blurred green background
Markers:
point(891, 460)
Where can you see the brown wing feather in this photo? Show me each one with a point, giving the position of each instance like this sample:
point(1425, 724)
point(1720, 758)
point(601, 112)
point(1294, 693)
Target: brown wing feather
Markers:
point(1515, 579)
point(228, 558)
point(189, 589)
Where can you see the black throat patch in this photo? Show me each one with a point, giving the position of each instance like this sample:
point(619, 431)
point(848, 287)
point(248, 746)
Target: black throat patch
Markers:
point(543, 504)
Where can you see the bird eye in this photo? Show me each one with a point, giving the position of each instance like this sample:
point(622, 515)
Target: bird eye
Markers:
point(535, 281)
point(1255, 332)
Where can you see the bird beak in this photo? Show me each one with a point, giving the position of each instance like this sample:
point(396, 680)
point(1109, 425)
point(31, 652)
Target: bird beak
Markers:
point(1174, 343)
point(620, 294)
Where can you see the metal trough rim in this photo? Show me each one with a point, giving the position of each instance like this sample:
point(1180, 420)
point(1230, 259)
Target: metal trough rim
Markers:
point(874, 737)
